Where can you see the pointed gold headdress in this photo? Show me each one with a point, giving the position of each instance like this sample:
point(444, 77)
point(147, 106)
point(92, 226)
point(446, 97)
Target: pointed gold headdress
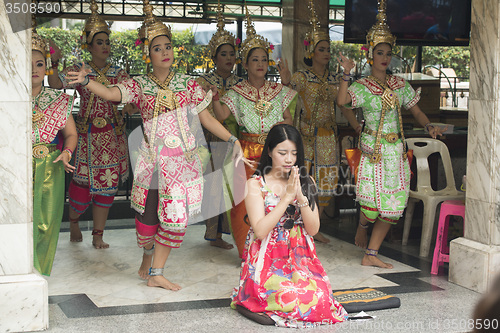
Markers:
point(93, 25)
point(222, 36)
point(253, 40)
point(38, 43)
point(316, 34)
point(151, 28)
point(379, 32)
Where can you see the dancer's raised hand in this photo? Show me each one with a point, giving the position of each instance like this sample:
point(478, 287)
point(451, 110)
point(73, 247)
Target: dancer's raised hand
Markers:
point(80, 76)
point(285, 74)
point(346, 63)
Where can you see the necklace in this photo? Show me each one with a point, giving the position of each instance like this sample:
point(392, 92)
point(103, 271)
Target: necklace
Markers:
point(38, 116)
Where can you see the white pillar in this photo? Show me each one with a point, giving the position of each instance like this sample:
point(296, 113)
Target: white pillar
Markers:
point(475, 258)
point(23, 292)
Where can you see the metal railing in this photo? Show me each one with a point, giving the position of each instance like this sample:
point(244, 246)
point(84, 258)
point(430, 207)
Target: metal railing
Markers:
point(453, 89)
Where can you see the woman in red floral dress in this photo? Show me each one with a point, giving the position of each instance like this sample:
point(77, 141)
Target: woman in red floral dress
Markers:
point(282, 281)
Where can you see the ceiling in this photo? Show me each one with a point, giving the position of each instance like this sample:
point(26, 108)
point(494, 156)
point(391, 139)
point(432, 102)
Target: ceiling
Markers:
point(197, 11)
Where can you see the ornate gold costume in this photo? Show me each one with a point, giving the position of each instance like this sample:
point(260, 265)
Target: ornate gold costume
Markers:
point(93, 25)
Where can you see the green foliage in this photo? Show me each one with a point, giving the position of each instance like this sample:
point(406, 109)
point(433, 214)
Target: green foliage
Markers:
point(188, 57)
point(66, 40)
point(351, 51)
point(125, 54)
point(456, 57)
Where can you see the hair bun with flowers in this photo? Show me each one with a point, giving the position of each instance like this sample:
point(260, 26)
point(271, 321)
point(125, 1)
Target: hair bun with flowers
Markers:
point(253, 40)
point(315, 34)
point(379, 32)
point(93, 25)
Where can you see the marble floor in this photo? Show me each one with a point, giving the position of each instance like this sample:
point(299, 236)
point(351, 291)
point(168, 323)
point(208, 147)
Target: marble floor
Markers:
point(99, 290)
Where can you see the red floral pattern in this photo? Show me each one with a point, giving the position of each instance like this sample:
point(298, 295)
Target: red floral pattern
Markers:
point(283, 277)
point(108, 153)
point(180, 178)
point(56, 106)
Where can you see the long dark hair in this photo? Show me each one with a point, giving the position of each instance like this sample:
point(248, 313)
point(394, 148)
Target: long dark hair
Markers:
point(277, 135)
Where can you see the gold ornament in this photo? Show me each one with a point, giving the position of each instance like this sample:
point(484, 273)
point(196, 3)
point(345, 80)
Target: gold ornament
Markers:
point(38, 43)
point(93, 25)
point(316, 34)
point(253, 40)
point(172, 141)
point(151, 28)
point(222, 36)
point(379, 32)
point(40, 151)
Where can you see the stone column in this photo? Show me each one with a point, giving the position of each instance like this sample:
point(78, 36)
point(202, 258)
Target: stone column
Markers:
point(23, 292)
point(296, 16)
point(475, 258)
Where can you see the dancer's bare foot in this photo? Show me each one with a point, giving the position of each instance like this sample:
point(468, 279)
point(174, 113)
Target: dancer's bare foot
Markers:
point(162, 282)
point(375, 261)
point(146, 263)
point(219, 242)
point(361, 238)
point(99, 243)
point(321, 238)
point(75, 234)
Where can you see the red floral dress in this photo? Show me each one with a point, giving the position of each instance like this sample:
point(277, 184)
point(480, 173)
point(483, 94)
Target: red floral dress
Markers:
point(283, 277)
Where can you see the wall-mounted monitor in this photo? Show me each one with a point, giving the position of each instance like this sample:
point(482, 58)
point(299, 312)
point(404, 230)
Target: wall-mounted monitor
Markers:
point(414, 22)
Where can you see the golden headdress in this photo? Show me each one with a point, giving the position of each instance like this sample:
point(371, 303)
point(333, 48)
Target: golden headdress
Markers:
point(316, 34)
point(38, 43)
point(93, 25)
point(222, 36)
point(253, 40)
point(379, 32)
point(150, 29)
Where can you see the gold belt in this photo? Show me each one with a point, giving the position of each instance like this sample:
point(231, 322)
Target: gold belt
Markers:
point(100, 122)
point(41, 150)
point(255, 138)
point(389, 137)
point(170, 141)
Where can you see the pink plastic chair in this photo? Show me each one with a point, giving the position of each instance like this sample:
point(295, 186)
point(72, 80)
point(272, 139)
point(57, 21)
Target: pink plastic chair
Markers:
point(442, 250)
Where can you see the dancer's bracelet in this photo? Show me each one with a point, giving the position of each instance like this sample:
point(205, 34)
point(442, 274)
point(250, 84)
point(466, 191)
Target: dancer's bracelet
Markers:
point(301, 205)
point(232, 139)
point(68, 151)
point(85, 81)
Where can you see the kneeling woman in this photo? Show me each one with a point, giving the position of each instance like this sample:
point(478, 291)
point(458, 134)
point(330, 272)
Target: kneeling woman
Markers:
point(282, 281)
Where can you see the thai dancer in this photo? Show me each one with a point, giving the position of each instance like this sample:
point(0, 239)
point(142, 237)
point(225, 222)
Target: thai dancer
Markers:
point(257, 104)
point(53, 136)
point(168, 156)
point(222, 49)
point(101, 158)
point(383, 176)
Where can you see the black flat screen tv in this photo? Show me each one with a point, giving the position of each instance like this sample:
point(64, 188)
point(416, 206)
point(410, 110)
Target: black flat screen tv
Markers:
point(414, 22)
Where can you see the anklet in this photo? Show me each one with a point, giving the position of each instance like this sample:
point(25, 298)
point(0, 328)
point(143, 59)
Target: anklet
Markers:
point(364, 226)
point(370, 252)
point(97, 232)
point(155, 271)
point(150, 251)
